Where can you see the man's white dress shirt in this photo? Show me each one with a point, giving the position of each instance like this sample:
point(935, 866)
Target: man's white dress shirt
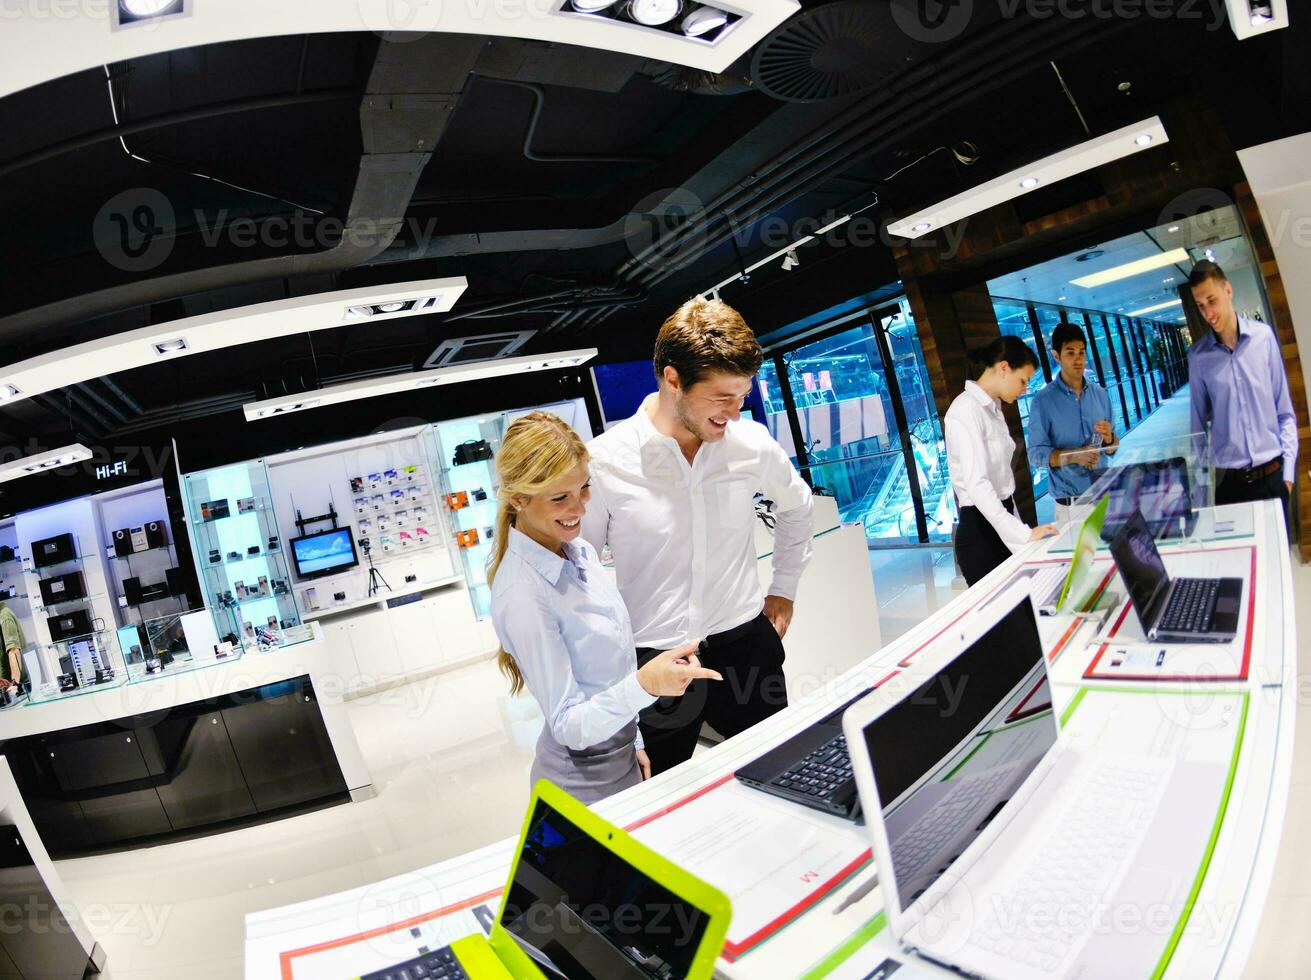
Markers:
point(682, 534)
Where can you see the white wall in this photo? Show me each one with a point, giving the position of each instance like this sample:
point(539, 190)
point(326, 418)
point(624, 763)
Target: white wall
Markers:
point(1280, 176)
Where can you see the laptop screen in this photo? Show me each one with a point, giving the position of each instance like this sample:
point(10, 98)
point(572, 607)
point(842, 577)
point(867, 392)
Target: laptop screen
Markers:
point(1159, 489)
point(581, 911)
point(950, 755)
point(1140, 565)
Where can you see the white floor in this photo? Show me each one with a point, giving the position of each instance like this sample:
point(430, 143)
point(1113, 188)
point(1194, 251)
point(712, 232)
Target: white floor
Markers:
point(450, 758)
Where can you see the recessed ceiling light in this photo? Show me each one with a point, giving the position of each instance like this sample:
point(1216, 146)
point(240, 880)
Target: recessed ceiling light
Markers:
point(591, 6)
point(1172, 229)
point(1029, 183)
point(145, 8)
point(1130, 269)
point(923, 226)
point(40, 462)
point(1145, 139)
point(390, 307)
point(1156, 306)
point(7, 392)
point(359, 312)
point(654, 13)
point(701, 22)
point(163, 347)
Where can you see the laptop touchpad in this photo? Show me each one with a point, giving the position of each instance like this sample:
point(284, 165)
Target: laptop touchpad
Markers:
point(1226, 606)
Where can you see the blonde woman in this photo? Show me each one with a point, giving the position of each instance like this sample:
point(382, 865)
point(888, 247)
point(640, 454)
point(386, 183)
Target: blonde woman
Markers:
point(564, 631)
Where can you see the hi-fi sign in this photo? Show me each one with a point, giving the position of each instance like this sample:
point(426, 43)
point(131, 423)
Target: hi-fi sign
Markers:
point(112, 470)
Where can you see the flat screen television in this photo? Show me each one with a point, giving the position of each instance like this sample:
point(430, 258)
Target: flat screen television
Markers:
point(325, 553)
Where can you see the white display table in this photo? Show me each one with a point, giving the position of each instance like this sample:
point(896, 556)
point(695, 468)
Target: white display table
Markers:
point(358, 930)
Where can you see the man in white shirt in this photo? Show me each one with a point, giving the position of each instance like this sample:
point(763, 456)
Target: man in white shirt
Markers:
point(673, 492)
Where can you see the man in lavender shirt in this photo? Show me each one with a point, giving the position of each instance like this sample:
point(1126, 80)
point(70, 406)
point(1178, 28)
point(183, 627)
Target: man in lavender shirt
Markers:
point(1238, 385)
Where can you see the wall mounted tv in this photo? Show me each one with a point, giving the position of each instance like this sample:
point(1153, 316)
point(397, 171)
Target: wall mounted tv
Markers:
point(324, 553)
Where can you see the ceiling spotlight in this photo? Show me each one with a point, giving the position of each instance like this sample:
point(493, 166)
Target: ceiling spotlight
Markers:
point(359, 312)
point(1028, 183)
point(922, 226)
point(41, 462)
point(704, 20)
point(790, 261)
point(1172, 229)
point(134, 11)
point(389, 307)
point(163, 347)
point(591, 6)
point(654, 13)
point(1144, 140)
point(7, 392)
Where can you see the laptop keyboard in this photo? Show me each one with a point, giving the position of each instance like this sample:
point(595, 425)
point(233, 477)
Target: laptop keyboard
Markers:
point(820, 773)
point(925, 841)
point(440, 964)
point(1050, 910)
point(1192, 604)
point(1046, 585)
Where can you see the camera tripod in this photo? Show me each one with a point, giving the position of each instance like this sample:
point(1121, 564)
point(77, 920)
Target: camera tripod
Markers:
point(376, 577)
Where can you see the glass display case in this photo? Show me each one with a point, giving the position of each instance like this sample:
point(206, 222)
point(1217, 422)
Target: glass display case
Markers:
point(465, 453)
point(87, 663)
point(240, 555)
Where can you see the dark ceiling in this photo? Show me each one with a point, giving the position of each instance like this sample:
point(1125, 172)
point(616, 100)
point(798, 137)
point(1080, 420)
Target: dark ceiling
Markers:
point(584, 194)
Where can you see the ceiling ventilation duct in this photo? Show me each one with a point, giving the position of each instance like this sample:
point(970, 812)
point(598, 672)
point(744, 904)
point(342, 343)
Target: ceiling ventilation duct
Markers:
point(832, 51)
point(484, 347)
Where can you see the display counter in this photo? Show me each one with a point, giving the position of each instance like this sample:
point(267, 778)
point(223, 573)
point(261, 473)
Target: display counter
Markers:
point(198, 750)
point(838, 929)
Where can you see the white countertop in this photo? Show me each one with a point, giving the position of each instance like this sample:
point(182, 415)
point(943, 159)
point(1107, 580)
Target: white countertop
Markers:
point(1239, 873)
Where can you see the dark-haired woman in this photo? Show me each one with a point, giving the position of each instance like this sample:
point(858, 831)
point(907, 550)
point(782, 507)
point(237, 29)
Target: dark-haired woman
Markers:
point(979, 454)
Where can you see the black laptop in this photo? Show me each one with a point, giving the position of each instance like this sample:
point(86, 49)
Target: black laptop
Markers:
point(811, 768)
point(1178, 610)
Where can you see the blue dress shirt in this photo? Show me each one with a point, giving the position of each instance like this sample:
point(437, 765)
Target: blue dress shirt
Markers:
point(1060, 419)
point(1243, 394)
point(565, 624)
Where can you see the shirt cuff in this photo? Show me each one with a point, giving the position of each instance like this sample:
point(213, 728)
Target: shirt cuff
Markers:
point(1290, 468)
point(785, 586)
point(634, 695)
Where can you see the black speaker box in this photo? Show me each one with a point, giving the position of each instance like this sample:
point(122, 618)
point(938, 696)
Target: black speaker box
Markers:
point(62, 588)
point(52, 551)
point(156, 536)
point(123, 542)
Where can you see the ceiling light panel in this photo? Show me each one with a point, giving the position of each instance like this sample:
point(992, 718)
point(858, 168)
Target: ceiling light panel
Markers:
point(393, 384)
point(40, 462)
point(1154, 308)
point(1045, 172)
point(1248, 18)
point(69, 45)
point(224, 329)
point(1128, 270)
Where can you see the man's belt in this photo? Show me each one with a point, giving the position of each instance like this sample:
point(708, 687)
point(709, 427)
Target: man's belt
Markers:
point(1254, 473)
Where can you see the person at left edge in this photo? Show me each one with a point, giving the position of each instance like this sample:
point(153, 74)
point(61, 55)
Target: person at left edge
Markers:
point(13, 671)
point(564, 631)
point(979, 453)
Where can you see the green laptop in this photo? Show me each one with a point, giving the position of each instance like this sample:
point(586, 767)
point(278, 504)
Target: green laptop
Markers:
point(585, 901)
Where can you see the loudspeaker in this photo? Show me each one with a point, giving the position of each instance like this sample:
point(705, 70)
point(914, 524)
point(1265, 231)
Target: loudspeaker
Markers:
point(123, 542)
point(156, 537)
point(132, 591)
point(177, 582)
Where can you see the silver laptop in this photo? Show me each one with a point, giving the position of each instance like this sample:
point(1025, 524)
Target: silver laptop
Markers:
point(989, 829)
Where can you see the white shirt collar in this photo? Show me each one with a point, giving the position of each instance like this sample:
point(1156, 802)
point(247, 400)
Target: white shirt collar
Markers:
point(979, 395)
point(546, 563)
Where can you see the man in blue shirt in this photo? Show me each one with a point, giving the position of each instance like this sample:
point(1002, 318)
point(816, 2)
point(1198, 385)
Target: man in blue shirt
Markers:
point(1070, 423)
point(1238, 386)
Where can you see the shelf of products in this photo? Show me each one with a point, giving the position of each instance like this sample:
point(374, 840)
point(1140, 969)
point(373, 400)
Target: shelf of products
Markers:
point(239, 495)
point(85, 664)
point(465, 450)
